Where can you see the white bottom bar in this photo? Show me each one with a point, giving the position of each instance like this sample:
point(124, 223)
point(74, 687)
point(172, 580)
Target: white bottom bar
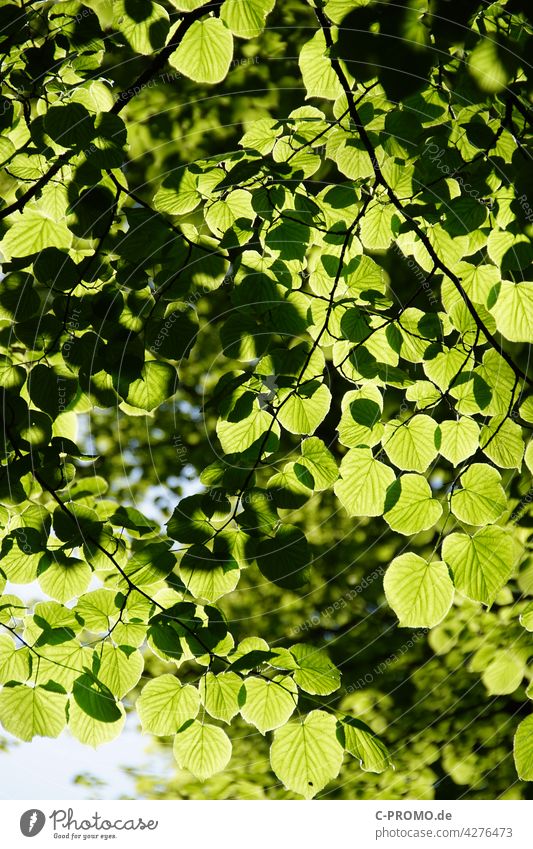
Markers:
point(230, 825)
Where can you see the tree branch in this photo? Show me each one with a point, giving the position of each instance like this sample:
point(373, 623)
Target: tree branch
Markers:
point(381, 181)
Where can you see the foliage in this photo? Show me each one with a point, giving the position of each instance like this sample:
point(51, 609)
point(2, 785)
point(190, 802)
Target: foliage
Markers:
point(264, 317)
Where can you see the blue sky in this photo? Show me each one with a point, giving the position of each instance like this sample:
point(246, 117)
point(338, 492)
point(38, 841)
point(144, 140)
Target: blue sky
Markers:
point(45, 768)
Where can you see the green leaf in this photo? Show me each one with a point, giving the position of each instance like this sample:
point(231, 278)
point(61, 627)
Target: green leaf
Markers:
point(32, 232)
point(306, 753)
point(64, 578)
point(92, 731)
point(14, 662)
point(360, 421)
point(70, 125)
point(165, 705)
point(189, 522)
point(459, 439)
point(188, 5)
point(526, 617)
point(202, 749)
point(237, 436)
point(523, 749)
point(411, 445)
point(28, 712)
point(361, 742)
point(419, 592)
point(204, 577)
point(319, 78)
point(303, 411)
point(513, 311)
point(205, 52)
point(481, 564)
point(409, 505)
point(316, 674)
point(158, 382)
point(488, 66)
point(51, 389)
point(481, 500)
point(143, 25)
point(119, 669)
point(501, 440)
point(269, 704)
point(364, 482)
point(220, 694)
point(22, 552)
point(504, 673)
point(99, 609)
point(178, 194)
point(285, 558)
point(320, 462)
point(247, 19)
point(150, 564)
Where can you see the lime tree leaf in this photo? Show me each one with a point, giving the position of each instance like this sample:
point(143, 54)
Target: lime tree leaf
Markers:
point(165, 705)
point(360, 421)
point(92, 731)
point(504, 673)
point(513, 311)
point(526, 409)
point(143, 25)
point(206, 51)
point(285, 558)
point(204, 577)
point(202, 749)
point(319, 461)
point(445, 366)
point(377, 226)
point(361, 742)
point(178, 194)
point(409, 505)
point(301, 412)
point(14, 662)
point(64, 578)
point(419, 592)
point(220, 694)
point(411, 445)
point(306, 754)
point(523, 749)
point(28, 712)
point(32, 232)
point(246, 19)
point(501, 440)
point(364, 483)
point(188, 5)
point(189, 522)
point(62, 663)
point(526, 617)
point(528, 456)
point(459, 439)
point(237, 436)
point(120, 669)
point(481, 564)
point(487, 66)
point(156, 384)
point(316, 674)
point(481, 499)
point(269, 704)
point(320, 80)
point(98, 610)
point(21, 555)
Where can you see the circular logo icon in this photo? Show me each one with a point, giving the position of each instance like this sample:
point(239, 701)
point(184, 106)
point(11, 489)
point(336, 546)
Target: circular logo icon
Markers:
point(32, 822)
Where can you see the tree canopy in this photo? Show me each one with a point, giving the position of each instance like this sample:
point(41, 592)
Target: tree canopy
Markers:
point(265, 308)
